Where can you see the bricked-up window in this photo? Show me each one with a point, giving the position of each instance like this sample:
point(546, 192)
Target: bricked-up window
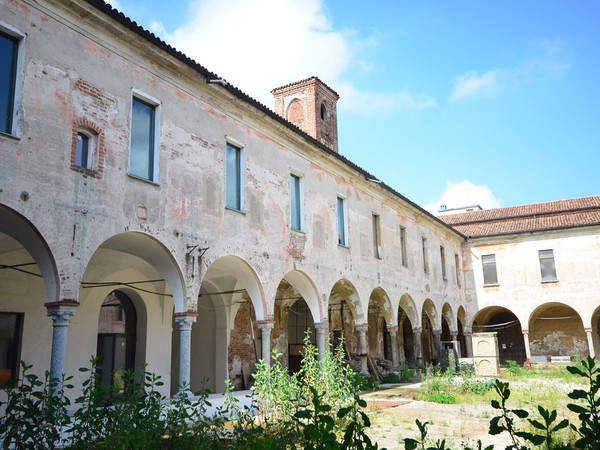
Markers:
point(403, 255)
point(9, 49)
point(443, 261)
point(296, 202)
point(143, 154)
point(490, 276)
point(457, 268)
point(234, 171)
point(10, 344)
point(342, 222)
point(547, 267)
point(425, 254)
point(376, 236)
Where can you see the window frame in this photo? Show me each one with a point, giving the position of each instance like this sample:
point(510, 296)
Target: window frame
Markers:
point(89, 151)
point(425, 252)
point(403, 254)
point(16, 76)
point(377, 248)
point(457, 268)
point(154, 135)
point(341, 210)
point(443, 262)
point(491, 257)
point(13, 365)
point(238, 203)
point(297, 200)
point(549, 277)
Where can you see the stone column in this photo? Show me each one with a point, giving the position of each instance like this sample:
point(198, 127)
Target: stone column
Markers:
point(437, 343)
point(185, 321)
point(468, 342)
point(362, 347)
point(265, 327)
point(394, 340)
point(456, 343)
point(526, 341)
point(321, 329)
point(418, 353)
point(590, 339)
point(60, 312)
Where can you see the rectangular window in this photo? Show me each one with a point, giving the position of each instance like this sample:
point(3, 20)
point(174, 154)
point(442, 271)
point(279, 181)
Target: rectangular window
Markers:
point(443, 261)
point(342, 223)
point(143, 140)
point(10, 343)
point(295, 202)
point(9, 47)
point(547, 267)
point(457, 268)
point(490, 276)
point(403, 246)
point(425, 255)
point(376, 236)
point(234, 163)
point(83, 155)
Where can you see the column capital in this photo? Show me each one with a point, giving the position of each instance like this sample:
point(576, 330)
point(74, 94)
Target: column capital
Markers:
point(588, 330)
point(417, 330)
point(362, 327)
point(392, 329)
point(525, 331)
point(321, 326)
point(61, 312)
point(185, 321)
point(265, 324)
point(437, 332)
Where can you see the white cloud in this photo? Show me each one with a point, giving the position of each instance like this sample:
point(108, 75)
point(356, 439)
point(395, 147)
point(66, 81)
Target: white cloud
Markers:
point(369, 102)
point(473, 84)
point(463, 193)
point(258, 45)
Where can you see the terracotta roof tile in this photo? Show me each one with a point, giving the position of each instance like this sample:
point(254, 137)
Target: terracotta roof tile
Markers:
point(572, 213)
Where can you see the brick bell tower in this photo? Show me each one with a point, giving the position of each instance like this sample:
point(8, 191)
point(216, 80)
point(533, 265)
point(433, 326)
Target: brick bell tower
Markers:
point(311, 105)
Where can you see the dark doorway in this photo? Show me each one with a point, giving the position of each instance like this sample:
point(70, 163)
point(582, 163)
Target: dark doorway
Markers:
point(116, 338)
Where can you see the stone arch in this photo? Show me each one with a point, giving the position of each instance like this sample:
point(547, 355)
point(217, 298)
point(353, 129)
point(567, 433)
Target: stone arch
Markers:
point(556, 329)
point(429, 324)
point(233, 290)
point(344, 312)
point(16, 231)
point(407, 322)
point(379, 317)
point(508, 329)
point(29, 278)
point(595, 331)
point(140, 266)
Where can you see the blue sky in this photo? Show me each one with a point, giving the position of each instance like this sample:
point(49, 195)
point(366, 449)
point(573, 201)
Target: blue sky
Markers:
point(456, 103)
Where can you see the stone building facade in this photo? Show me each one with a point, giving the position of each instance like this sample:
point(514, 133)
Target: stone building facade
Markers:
point(535, 273)
point(152, 213)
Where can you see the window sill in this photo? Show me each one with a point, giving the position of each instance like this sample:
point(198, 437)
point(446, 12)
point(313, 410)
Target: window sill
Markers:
point(145, 180)
point(344, 246)
point(491, 285)
point(549, 281)
point(10, 136)
point(239, 211)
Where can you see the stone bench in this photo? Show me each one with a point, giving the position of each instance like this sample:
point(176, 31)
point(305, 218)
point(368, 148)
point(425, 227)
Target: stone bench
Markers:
point(560, 359)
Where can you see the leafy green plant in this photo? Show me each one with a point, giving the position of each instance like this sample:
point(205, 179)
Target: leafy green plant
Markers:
point(589, 411)
point(35, 411)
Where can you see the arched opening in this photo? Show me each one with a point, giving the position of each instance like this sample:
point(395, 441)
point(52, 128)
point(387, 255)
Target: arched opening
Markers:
point(507, 327)
point(460, 325)
point(428, 325)
point(556, 329)
point(407, 320)
point(299, 324)
point(117, 329)
point(595, 321)
point(343, 314)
